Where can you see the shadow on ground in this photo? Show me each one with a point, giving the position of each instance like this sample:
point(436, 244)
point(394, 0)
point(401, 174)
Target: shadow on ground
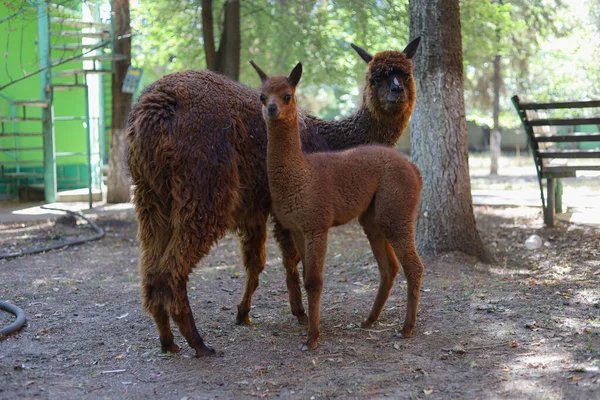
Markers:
point(526, 328)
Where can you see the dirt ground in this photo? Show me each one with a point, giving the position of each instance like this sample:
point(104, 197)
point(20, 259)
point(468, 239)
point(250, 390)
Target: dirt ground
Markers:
point(526, 328)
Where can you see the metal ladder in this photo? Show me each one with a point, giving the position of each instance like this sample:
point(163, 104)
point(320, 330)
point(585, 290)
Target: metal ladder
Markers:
point(63, 37)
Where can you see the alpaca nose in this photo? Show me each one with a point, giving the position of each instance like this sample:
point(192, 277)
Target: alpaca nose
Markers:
point(272, 111)
point(397, 89)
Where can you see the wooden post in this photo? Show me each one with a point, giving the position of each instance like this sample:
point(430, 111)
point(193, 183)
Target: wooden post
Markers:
point(549, 211)
point(558, 197)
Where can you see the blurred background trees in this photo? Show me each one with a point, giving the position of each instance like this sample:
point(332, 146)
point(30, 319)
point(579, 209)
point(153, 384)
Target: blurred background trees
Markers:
point(544, 49)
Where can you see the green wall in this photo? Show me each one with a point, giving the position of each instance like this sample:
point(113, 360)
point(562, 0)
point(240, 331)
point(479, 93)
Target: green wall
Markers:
point(18, 40)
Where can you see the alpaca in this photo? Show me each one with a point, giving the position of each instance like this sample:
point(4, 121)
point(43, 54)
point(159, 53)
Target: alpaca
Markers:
point(312, 193)
point(197, 146)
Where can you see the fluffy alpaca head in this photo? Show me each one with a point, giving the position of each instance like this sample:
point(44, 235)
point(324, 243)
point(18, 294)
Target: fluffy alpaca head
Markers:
point(277, 93)
point(390, 87)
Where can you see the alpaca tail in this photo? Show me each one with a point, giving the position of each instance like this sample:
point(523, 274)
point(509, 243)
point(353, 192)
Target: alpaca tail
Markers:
point(149, 135)
point(186, 159)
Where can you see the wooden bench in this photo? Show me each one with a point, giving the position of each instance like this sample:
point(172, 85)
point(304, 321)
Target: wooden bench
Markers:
point(552, 161)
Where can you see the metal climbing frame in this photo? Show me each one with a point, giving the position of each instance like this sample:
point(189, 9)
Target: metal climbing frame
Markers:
point(84, 36)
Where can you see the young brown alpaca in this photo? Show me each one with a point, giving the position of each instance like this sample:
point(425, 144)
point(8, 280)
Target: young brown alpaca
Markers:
point(314, 192)
point(197, 146)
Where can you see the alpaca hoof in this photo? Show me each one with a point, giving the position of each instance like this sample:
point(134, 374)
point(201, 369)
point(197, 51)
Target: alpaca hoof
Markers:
point(367, 324)
point(170, 348)
point(205, 351)
point(242, 317)
point(302, 319)
point(308, 346)
point(303, 347)
point(402, 334)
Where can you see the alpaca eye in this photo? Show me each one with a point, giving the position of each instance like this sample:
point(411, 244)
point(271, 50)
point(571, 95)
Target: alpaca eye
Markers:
point(263, 98)
point(287, 97)
point(377, 80)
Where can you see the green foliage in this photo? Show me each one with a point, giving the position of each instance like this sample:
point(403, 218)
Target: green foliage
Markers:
point(276, 34)
point(594, 6)
point(549, 47)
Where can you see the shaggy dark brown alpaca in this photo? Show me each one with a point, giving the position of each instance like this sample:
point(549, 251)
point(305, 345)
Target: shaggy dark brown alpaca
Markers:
point(197, 146)
point(312, 193)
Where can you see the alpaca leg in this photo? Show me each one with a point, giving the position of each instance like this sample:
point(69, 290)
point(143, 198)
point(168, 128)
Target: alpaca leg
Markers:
point(182, 315)
point(406, 252)
point(182, 253)
point(315, 251)
point(386, 261)
point(153, 236)
point(253, 240)
point(157, 298)
point(161, 319)
point(291, 257)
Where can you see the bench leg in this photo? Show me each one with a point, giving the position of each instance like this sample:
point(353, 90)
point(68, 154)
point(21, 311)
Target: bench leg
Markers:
point(549, 211)
point(558, 208)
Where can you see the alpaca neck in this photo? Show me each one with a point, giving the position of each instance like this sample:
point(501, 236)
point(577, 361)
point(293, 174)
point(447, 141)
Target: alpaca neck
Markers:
point(284, 149)
point(381, 127)
point(364, 127)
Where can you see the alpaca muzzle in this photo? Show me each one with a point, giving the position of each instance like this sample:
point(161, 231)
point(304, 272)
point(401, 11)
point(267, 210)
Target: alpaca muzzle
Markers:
point(396, 94)
point(272, 111)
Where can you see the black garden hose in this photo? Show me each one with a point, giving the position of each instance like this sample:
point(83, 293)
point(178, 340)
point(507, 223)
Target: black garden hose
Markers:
point(15, 326)
point(99, 234)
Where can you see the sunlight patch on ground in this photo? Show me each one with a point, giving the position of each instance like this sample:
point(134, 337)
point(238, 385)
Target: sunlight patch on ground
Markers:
point(579, 326)
point(580, 216)
point(521, 375)
point(509, 272)
point(588, 296)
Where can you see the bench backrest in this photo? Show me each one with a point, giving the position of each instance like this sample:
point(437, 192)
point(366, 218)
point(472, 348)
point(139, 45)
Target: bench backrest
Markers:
point(541, 130)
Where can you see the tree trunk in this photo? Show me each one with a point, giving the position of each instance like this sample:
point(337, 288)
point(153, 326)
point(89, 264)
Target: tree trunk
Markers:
point(208, 35)
point(118, 183)
point(439, 135)
point(226, 60)
point(496, 137)
point(229, 47)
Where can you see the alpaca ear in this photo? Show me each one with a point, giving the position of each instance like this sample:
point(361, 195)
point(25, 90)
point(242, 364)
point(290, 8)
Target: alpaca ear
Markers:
point(412, 47)
point(261, 74)
point(295, 75)
point(362, 53)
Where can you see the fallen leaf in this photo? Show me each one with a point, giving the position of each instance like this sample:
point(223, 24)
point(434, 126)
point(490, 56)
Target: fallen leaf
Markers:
point(427, 392)
point(505, 370)
point(514, 344)
point(226, 308)
point(574, 378)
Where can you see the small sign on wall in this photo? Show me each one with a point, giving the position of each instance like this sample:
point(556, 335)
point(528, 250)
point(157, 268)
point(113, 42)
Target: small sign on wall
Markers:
point(132, 79)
